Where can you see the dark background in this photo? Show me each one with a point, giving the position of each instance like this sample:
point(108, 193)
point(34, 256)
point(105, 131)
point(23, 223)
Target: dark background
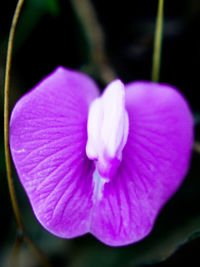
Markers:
point(49, 35)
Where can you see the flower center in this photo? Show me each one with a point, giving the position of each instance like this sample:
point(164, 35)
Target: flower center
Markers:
point(107, 129)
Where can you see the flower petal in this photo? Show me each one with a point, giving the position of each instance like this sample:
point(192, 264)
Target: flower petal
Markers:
point(48, 135)
point(154, 163)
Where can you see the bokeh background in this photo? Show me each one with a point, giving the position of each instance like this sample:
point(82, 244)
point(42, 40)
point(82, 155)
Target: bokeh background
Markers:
point(50, 34)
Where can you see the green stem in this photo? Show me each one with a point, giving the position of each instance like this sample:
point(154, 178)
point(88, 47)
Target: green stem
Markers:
point(6, 117)
point(22, 235)
point(158, 42)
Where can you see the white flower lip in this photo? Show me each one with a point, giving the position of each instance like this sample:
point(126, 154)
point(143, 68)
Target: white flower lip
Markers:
point(107, 127)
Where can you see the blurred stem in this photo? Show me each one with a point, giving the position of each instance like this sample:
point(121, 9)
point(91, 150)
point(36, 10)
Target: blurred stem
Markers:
point(158, 42)
point(39, 254)
point(197, 147)
point(14, 261)
point(15, 253)
point(22, 235)
point(95, 37)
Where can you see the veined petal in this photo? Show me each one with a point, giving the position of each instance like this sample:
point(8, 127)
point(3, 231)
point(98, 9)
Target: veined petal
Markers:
point(154, 163)
point(48, 135)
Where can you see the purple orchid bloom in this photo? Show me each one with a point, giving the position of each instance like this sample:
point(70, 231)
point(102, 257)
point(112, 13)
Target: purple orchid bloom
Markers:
point(105, 164)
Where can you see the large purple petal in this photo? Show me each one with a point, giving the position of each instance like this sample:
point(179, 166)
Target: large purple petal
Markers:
point(48, 135)
point(155, 161)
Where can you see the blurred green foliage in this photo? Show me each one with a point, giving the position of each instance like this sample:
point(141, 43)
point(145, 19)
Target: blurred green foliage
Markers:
point(33, 12)
point(48, 35)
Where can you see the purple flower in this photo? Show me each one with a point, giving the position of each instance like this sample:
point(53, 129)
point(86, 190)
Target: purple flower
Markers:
point(103, 165)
